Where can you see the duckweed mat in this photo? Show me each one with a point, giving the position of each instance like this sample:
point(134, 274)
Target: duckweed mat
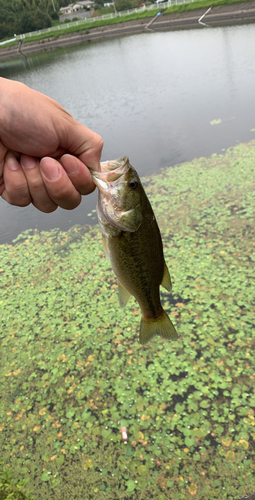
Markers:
point(72, 372)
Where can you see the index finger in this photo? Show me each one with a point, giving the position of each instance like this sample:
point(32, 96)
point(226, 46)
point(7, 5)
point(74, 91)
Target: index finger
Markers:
point(58, 185)
point(78, 173)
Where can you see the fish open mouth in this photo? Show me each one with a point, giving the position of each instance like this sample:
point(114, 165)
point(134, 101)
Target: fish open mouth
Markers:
point(111, 173)
point(109, 166)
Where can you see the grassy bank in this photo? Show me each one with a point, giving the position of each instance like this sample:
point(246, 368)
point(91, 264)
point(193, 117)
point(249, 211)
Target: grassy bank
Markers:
point(86, 26)
point(72, 372)
point(64, 29)
point(201, 4)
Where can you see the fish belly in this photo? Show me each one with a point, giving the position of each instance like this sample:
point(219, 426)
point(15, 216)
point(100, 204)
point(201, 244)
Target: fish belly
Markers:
point(139, 266)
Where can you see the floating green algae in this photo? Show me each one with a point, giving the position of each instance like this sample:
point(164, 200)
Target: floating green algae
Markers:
point(73, 373)
point(216, 122)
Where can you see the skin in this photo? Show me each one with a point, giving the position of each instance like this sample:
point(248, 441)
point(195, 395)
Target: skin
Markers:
point(44, 153)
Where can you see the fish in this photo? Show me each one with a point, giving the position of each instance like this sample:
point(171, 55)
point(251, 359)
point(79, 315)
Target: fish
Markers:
point(133, 244)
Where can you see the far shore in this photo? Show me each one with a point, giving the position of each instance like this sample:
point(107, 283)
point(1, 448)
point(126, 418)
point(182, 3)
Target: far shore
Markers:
point(238, 13)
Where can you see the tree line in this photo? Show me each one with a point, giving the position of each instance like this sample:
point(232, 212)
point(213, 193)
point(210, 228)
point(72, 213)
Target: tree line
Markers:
point(22, 16)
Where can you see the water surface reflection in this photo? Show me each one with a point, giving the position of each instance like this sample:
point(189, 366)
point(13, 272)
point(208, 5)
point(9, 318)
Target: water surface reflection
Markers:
point(151, 96)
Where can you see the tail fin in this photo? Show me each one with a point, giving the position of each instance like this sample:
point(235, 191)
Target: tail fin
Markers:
point(162, 326)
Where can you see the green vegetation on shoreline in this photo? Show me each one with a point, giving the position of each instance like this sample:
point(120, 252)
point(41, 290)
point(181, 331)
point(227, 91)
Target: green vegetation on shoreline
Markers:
point(201, 4)
point(65, 30)
point(72, 371)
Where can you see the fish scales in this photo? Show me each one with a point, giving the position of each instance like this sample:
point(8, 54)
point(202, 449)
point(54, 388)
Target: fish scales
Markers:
point(133, 243)
point(134, 268)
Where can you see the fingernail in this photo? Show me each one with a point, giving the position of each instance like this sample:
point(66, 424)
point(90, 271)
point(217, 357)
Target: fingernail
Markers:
point(50, 169)
point(12, 163)
point(70, 164)
point(28, 162)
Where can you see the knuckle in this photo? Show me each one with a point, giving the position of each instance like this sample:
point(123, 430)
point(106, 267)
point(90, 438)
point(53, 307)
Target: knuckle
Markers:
point(36, 184)
point(19, 202)
point(99, 143)
point(18, 196)
point(87, 189)
point(71, 205)
point(46, 208)
point(62, 194)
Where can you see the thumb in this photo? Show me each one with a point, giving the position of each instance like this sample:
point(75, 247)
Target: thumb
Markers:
point(85, 144)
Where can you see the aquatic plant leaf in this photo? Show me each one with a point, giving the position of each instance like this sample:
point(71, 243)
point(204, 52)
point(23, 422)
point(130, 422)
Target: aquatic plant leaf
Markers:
point(72, 373)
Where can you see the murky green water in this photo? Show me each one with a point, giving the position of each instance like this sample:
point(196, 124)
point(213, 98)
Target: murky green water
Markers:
point(151, 96)
point(72, 371)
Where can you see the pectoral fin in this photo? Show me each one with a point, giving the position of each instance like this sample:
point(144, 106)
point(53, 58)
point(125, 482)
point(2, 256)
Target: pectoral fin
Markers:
point(124, 295)
point(106, 250)
point(166, 281)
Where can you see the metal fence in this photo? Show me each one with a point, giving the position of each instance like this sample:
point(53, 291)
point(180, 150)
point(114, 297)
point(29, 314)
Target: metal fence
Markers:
point(86, 20)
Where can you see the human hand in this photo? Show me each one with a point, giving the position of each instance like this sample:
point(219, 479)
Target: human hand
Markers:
point(44, 152)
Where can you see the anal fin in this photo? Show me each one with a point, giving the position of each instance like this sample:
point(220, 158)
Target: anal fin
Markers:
point(166, 281)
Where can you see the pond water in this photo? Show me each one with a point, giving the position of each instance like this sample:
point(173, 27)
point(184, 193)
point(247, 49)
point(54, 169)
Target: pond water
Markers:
point(151, 96)
point(72, 371)
point(73, 374)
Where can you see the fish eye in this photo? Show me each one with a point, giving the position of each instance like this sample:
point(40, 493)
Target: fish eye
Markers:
point(133, 184)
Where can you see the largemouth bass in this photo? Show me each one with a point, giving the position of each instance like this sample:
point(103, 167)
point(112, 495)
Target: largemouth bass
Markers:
point(132, 242)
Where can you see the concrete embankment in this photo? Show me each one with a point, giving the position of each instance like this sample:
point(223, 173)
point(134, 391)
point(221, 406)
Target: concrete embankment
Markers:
point(239, 13)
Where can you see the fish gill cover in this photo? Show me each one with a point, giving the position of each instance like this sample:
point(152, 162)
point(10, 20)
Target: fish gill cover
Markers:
point(72, 373)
